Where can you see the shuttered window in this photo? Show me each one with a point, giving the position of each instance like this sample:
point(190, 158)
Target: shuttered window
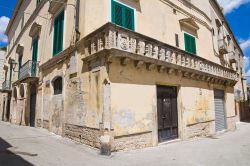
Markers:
point(35, 49)
point(20, 59)
point(37, 2)
point(34, 56)
point(58, 34)
point(190, 43)
point(122, 15)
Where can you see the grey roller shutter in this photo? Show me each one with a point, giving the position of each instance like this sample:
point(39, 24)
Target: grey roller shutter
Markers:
point(220, 116)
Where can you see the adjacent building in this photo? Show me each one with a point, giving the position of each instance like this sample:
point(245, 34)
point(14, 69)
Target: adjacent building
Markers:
point(123, 74)
point(3, 102)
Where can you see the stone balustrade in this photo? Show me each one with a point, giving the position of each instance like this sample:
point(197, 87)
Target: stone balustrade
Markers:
point(111, 37)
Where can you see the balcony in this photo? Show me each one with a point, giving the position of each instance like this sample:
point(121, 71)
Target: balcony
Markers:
point(6, 85)
point(29, 70)
point(114, 41)
point(223, 49)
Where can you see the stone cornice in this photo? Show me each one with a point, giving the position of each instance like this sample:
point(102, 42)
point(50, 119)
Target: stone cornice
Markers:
point(58, 58)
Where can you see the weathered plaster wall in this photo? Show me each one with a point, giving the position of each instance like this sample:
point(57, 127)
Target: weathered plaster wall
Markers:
point(52, 105)
point(133, 101)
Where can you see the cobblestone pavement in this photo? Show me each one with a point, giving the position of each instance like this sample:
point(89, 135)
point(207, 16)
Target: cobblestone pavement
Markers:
point(23, 146)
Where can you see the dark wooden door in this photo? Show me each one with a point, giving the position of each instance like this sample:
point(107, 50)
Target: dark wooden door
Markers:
point(167, 113)
point(32, 105)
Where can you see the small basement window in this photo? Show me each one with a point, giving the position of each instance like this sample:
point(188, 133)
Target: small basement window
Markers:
point(57, 84)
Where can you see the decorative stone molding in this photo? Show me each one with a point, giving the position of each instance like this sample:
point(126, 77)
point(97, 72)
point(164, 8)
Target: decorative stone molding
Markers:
point(19, 49)
point(123, 43)
point(35, 29)
point(56, 5)
point(190, 23)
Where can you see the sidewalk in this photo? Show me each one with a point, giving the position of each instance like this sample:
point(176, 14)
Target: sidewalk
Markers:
point(21, 145)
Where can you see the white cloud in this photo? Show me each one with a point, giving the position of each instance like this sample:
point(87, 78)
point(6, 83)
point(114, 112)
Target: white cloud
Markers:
point(3, 25)
point(231, 5)
point(246, 63)
point(245, 44)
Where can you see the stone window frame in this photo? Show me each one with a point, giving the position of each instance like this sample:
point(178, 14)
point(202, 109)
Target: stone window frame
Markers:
point(59, 90)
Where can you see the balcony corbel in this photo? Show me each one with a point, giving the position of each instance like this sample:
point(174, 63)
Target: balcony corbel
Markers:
point(161, 69)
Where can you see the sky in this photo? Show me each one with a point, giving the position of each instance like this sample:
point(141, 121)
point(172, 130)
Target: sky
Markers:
point(237, 13)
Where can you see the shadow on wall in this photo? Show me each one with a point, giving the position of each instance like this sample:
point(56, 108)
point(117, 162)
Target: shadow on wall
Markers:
point(8, 158)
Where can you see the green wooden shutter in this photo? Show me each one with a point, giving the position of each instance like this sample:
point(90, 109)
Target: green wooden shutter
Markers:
point(11, 66)
point(190, 43)
point(117, 13)
point(37, 2)
point(128, 18)
point(35, 50)
point(122, 15)
point(58, 34)
point(19, 64)
point(193, 45)
point(55, 37)
point(34, 57)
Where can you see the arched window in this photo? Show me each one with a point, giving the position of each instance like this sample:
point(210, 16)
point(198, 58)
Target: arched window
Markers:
point(57, 84)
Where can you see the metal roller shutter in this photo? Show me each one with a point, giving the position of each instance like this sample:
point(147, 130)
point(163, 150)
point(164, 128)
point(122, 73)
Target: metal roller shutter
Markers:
point(220, 116)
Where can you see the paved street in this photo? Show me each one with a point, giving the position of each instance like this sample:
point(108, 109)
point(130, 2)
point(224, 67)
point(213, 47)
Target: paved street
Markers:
point(30, 146)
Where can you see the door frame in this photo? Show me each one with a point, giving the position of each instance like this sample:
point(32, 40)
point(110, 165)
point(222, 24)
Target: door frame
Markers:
point(179, 114)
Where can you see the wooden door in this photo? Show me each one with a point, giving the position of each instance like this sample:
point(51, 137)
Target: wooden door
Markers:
point(32, 105)
point(167, 113)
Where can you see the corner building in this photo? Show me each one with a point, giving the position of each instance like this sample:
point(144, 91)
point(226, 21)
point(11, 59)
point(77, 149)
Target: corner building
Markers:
point(127, 73)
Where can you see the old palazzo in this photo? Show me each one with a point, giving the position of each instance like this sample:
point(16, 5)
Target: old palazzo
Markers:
point(123, 74)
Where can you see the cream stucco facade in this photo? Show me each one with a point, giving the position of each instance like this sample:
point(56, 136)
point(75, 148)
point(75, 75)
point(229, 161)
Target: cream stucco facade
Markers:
point(103, 87)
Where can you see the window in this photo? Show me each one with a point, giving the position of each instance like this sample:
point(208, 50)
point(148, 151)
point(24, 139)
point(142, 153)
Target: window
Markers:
point(19, 64)
point(177, 40)
point(11, 66)
point(37, 2)
point(57, 84)
point(6, 73)
point(190, 43)
point(58, 34)
point(122, 15)
point(34, 56)
point(35, 49)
